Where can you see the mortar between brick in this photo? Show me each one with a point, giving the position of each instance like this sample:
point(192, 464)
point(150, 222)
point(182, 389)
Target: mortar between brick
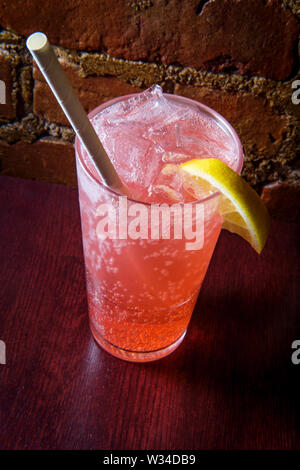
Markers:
point(257, 170)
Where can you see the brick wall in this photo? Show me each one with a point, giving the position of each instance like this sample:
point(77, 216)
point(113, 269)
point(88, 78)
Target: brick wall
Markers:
point(240, 57)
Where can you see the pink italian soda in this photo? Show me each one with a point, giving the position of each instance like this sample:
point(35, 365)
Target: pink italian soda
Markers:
point(142, 290)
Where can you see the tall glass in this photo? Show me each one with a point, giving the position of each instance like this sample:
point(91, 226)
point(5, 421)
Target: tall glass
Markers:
point(142, 288)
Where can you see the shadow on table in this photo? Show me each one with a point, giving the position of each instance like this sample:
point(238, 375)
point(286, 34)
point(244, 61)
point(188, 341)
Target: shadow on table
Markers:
point(238, 345)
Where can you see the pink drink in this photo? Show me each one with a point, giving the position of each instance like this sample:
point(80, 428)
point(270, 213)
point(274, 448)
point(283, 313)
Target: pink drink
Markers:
point(142, 291)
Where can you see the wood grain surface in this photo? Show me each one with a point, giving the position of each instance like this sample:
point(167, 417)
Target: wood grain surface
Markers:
point(230, 385)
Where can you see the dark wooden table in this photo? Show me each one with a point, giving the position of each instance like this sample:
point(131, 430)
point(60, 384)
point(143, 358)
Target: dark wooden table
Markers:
point(230, 385)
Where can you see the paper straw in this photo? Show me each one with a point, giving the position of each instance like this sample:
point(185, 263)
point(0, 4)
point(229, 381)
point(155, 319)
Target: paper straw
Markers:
point(44, 55)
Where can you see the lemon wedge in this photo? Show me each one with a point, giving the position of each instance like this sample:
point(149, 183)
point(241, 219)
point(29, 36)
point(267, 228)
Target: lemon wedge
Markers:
point(242, 209)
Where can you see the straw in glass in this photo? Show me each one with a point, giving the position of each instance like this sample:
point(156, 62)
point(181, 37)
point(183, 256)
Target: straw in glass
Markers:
point(56, 78)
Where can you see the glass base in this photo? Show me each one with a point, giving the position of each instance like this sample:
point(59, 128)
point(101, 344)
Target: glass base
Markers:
point(135, 356)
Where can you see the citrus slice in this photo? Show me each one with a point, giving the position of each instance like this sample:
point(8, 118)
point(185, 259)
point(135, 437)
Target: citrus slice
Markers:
point(242, 209)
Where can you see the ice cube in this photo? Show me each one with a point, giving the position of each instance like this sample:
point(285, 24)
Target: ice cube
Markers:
point(205, 138)
point(165, 194)
point(189, 132)
point(171, 157)
point(140, 158)
point(196, 189)
point(121, 130)
point(165, 130)
point(146, 107)
point(172, 176)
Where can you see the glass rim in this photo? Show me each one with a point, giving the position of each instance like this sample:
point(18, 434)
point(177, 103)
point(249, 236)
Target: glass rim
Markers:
point(206, 109)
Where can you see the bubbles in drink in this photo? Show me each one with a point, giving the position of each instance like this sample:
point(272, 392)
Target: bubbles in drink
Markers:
point(142, 292)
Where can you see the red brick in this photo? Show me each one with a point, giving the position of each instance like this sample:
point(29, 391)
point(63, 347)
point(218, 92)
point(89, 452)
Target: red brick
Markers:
point(282, 200)
point(7, 110)
point(244, 111)
point(91, 91)
point(249, 36)
point(44, 160)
